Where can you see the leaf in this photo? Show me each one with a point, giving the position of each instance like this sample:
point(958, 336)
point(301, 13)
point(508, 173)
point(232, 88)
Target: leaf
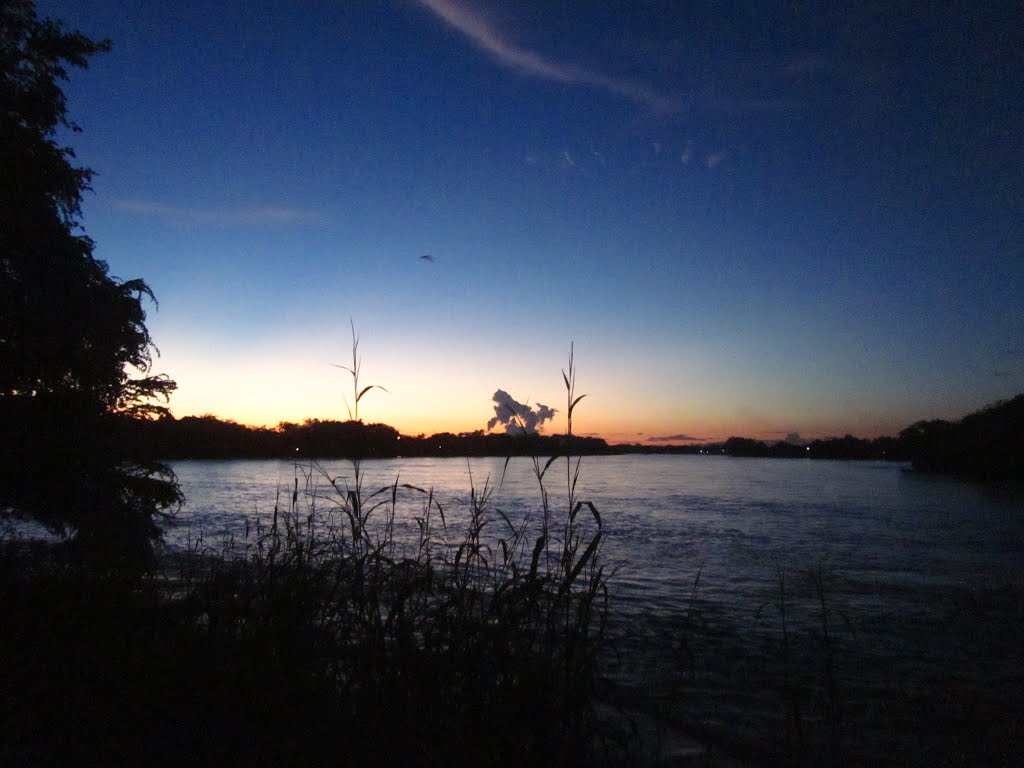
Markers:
point(537, 549)
point(566, 379)
point(367, 389)
point(573, 405)
point(458, 554)
point(508, 522)
point(593, 511)
point(583, 560)
point(548, 464)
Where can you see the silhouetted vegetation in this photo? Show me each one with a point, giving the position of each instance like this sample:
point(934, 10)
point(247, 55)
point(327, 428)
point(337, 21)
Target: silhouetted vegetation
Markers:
point(846, 448)
point(985, 445)
point(321, 638)
point(687, 450)
point(316, 641)
point(75, 354)
point(207, 437)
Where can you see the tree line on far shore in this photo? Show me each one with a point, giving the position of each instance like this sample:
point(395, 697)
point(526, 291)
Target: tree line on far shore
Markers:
point(987, 444)
point(208, 437)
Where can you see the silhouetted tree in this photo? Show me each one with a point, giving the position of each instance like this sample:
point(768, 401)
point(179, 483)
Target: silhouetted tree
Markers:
point(75, 354)
point(985, 445)
point(745, 446)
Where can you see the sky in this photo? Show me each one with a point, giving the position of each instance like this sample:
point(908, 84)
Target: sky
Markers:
point(747, 218)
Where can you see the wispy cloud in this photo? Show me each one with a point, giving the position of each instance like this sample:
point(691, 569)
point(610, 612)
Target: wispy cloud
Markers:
point(567, 159)
point(485, 36)
point(687, 154)
point(251, 215)
point(715, 159)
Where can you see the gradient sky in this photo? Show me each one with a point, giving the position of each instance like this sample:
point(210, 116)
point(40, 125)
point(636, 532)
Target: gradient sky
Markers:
point(750, 218)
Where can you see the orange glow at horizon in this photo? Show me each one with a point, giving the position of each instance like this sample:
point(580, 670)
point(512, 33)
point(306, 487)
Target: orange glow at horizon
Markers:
point(612, 430)
point(424, 397)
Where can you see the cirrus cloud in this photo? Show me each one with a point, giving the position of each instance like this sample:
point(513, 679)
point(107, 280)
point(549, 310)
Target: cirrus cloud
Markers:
point(267, 214)
point(492, 41)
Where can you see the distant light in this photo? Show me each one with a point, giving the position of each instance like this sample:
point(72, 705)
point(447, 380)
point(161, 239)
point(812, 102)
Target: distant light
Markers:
point(808, 447)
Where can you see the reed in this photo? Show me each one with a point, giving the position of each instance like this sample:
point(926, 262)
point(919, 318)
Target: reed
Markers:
point(801, 664)
point(479, 643)
point(321, 636)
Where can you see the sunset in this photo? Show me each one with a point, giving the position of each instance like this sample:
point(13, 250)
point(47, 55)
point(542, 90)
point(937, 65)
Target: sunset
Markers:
point(748, 222)
point(469, 383)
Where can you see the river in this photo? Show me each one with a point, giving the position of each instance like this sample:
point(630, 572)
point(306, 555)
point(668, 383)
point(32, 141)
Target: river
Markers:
point(848, 610)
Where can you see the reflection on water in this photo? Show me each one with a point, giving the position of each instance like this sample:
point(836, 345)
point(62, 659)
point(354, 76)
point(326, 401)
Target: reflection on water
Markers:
point(901, 593)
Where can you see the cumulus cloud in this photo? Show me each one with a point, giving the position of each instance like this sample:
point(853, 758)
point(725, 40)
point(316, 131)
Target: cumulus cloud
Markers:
point(486, 37)
point(518, 417)
point(675, 438)
point(259, 214)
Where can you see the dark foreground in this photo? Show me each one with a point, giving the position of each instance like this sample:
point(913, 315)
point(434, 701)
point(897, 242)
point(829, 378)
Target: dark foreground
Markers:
point(280, 660)
point(310, 646)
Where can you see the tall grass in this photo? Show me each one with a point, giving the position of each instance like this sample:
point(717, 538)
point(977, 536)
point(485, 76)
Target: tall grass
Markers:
point(802, 666)
point(478, 642)
point(323, 637)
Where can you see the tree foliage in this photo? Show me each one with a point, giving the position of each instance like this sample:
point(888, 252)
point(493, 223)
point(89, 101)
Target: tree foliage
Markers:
point(984, 445)
point(75, 354)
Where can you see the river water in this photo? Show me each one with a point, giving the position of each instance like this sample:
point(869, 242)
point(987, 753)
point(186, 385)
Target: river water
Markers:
point(836, 611)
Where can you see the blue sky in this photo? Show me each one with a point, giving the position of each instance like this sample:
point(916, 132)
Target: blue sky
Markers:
point(749, 219)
